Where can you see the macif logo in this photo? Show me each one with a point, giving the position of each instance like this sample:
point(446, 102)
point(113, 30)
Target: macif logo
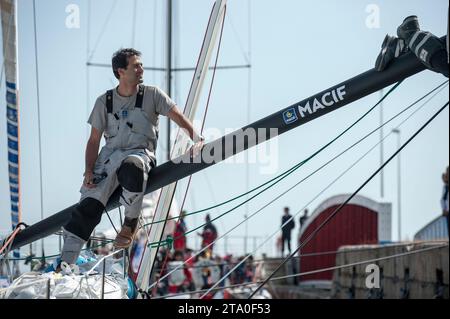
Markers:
point(290, 116)
point(326, 100)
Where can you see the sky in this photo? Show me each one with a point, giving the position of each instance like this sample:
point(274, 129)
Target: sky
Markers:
point(296, 49)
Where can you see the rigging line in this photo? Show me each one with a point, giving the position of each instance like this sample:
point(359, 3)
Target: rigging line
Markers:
point(179, 69)
point(110, 220)
point(161, 270)
point(106, 241)
point(204, 116)
point(206, 247)
point(273, 184)
point(293, 168)
point(39, 116)
point(120, 216)
point(154, 37)
point(102, 31)
point(317, 270)
point(106, 65)
point(440, 86)
point(362, 262)
point(176, 47)
point(367, 261)
point(241, 47)
point(101, 259)
point(133, 27)
point(8, 246)
point(299, 165)
point(172, 151)
point(102, 240)
point(215, 68)
point(379, 143)
point(10, 239)
point(88, 41)
point(203, 123)
point(210, 90)
point(210, 188)
point(163, 267)
point(350, 197)
point(219, 67)
point(249, 104)
point(329, 185)
point(144, 230)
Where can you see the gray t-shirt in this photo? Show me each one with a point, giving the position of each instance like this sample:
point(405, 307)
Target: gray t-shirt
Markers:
point(155, 102)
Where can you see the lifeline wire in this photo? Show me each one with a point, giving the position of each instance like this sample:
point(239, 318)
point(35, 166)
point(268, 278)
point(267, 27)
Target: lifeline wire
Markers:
point(304, 179)
point(350, 197)
point(287, 173)
point(281, 176)
point(329, 185)
point(108, 241)
point(312, 271)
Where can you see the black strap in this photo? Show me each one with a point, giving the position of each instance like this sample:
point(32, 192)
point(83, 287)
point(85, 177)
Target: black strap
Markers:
point(109, 101)
point(139, 97)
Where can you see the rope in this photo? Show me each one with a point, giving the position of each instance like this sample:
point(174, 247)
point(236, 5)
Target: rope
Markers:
point(281, 176)
point(133, 27)
point(11, 237)
point(350, 197)
point(120, 216)
point(332, 181)
point(110, 220)
point(241, 47)
point(169, 240)
point(39, 117)
point(291, 188)
point(101, 259)
point(102, 30)
point(441, 88)
point(292, 169)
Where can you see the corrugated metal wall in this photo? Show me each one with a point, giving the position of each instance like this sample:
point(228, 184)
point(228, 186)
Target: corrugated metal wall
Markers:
point(353, 225)
point(435, 230)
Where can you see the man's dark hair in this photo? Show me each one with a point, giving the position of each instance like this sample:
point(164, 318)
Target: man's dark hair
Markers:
point(120, 59)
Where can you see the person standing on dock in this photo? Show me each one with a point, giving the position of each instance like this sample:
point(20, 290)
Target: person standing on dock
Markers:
point(287, 225)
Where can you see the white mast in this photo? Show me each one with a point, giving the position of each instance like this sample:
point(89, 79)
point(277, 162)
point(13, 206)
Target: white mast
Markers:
point(181, 142)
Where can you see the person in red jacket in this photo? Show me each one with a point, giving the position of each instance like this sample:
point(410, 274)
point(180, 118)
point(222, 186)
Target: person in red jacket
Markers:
point(180, 229)
point(209, 233)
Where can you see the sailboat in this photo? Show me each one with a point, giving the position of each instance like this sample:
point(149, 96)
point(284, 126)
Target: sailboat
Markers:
point(282, 121)
point(165, 199)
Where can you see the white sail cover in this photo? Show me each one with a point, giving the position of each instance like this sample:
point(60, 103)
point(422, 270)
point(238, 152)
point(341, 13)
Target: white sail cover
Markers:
point(9, 36)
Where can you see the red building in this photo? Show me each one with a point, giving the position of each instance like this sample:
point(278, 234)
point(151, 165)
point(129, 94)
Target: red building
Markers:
point(361, 221)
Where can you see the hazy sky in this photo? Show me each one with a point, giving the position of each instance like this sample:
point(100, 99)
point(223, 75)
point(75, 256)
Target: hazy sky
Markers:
point(296, 49)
